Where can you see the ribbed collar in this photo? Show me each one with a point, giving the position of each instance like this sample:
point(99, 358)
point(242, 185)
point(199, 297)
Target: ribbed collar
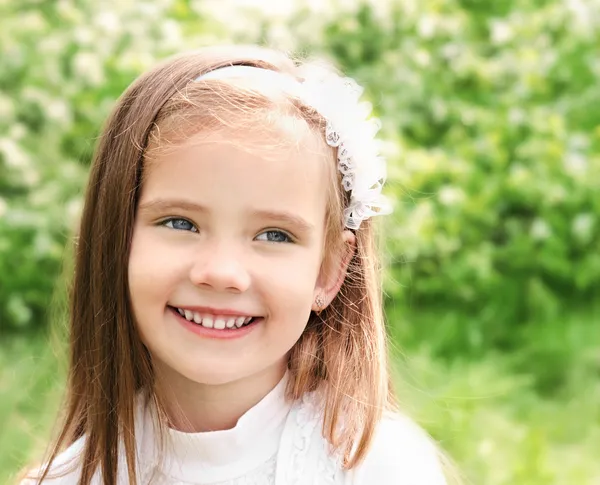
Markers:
point(216, 456)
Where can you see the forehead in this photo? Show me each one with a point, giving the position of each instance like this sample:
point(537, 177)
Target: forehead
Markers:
point(286, 166)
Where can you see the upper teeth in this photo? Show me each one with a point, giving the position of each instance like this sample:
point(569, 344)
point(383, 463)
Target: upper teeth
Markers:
point(214, 321)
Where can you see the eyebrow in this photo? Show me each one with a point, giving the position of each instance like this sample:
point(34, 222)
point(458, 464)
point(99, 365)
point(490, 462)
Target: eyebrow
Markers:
point(165, 205)
point(285, 217)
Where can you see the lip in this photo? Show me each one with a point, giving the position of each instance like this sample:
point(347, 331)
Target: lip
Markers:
point(226, 312)
point(213, 333)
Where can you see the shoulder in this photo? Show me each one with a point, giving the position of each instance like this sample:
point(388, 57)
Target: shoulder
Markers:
point(401, 453)
point(67, 466)
point(65, 469)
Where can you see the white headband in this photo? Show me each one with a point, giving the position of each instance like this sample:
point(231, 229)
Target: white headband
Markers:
point(349, 128)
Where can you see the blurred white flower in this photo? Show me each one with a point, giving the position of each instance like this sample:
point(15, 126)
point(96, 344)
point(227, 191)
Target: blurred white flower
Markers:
point(500, 32)
point(426, 26)
point(583, 226)
point(449, 195)
point(540, 230)
point(33, 20)
point(583, 16)
point(74, 208)
point(52, 46)
point(108, 22)
point(7, 108)
point(575, 163)
point(17, 131)
point(14, 155)
point(57, 110)
point(137, 61)
point(88, 66)
point(468, 117)
point(172, 36)
point(67, 9)
point(516, 116)
point(83, 35)
point(578, 141)
point(150, 10)
point(451, 50)
point(422, 58)
point(30, 176)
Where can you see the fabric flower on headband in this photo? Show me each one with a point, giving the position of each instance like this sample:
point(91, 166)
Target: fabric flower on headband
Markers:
point(349, 129)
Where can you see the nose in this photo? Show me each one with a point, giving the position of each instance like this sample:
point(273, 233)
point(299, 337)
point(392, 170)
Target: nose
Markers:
point(220, 268)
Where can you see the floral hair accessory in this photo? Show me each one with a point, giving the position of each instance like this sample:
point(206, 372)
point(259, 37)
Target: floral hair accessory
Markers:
point(349, 129)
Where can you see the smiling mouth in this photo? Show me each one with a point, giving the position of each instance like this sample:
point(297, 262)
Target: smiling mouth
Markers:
point(218, 322)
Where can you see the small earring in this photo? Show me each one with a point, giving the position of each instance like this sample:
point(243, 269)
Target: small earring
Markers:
point(320, 302)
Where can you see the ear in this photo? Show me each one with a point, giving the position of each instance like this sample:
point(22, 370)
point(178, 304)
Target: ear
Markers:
point(333, 272)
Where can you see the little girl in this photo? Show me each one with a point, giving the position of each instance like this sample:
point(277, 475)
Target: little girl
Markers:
point(226, 315)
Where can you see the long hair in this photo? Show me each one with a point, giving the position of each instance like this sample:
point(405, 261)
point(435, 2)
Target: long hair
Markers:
point(342, 351)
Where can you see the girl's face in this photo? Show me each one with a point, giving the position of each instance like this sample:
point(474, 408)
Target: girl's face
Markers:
point(224, 234)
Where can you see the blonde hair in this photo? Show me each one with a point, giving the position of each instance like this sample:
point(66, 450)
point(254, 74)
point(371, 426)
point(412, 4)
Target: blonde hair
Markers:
point(342, 352)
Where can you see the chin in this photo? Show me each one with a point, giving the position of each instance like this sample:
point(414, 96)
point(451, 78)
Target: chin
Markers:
point(214, 377)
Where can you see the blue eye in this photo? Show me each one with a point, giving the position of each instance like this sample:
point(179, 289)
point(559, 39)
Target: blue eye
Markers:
point(179, 224)
point(274, 236)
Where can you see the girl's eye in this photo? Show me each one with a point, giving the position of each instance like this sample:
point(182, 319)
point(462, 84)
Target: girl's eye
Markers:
point(274, 236)
point(179, 224)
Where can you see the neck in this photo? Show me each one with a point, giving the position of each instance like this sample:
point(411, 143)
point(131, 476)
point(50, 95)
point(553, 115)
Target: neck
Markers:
point(192, 407)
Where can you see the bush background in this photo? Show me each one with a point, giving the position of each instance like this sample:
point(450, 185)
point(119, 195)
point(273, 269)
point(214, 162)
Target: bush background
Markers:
point(493, 138)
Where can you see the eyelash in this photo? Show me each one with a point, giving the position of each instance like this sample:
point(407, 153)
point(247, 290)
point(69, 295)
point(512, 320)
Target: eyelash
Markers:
point(164, 223)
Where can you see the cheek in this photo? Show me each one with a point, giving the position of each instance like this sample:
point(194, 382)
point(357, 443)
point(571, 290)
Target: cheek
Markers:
point(152, 270)
point(151, 276)
point(291, 283)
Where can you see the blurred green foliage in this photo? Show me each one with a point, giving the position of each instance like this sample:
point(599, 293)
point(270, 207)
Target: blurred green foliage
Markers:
point(488, 110)
point(62, 66)
point(497, 172)
point(493, 139)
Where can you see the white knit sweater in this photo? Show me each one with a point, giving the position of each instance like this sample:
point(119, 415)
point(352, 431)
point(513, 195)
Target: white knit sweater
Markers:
point(274, 443)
